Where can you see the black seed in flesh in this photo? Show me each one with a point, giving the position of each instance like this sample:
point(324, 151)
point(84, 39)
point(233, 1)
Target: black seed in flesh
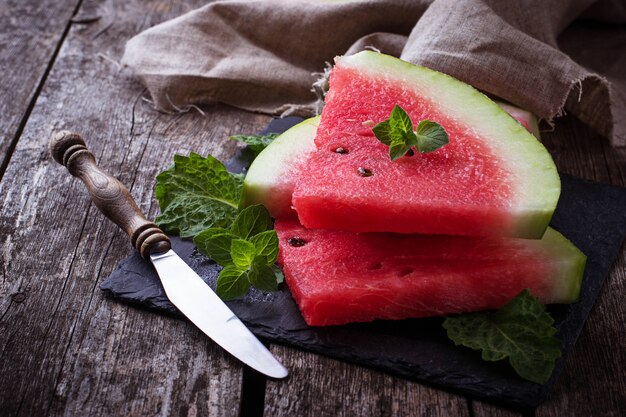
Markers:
point(374, 266)
point(341, 150)
point(364, 172)
point(296, 242)
point(410, 152)
point(405, 271)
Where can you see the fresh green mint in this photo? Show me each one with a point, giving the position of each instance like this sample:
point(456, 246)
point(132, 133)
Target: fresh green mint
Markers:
point(247, 250)
point(199, 197)
point(397, 133)
point(256, 143)
point(195, 194)
point(251, 221)
point(522, 330)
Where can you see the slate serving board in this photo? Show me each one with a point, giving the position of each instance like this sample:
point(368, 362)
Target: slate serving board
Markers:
point(591, 215)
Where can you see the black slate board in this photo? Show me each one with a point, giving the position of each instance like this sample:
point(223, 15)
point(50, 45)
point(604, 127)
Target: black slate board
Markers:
point(591, 215)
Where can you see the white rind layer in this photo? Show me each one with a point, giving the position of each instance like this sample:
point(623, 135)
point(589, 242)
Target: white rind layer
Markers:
point(269, 180)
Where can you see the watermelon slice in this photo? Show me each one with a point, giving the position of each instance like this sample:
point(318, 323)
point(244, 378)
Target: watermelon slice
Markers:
point(493, 178)
point(271, 177)
point(338, 277)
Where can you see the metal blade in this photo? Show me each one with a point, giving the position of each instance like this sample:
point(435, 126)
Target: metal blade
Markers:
point(195, 299)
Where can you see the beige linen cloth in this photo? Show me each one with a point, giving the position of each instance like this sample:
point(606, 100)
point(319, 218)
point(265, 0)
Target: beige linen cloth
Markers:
point(263, 55)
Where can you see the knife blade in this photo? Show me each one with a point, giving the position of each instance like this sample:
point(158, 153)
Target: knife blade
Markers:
point(184, 288)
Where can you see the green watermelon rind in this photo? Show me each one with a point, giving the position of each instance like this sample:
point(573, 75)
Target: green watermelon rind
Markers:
point(536, 182)
point(571, 271)
point(265, 180)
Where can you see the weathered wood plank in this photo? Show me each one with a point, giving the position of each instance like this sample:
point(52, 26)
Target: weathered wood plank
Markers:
point(64, 348)
point(577, 150)
point(320, 386)
point(481, 409)
point(31, 32)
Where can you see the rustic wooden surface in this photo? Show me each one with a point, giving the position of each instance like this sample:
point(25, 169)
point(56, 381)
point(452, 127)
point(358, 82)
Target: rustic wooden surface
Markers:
point(30, 35)
point(65, 349)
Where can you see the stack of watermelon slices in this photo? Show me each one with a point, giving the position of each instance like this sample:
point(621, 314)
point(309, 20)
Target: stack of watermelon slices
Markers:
point(462, 229)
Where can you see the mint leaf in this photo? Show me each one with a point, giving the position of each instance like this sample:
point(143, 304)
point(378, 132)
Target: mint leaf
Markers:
point(398, 150)
point(245, 261)
point(383, 132)
point(248, 251)
point(251, 221)
point(522, 330)
point(266, 246)
point(232, 282)
point(195, 194)
point(430, 136)
point(400, 122)
point(262, 276)
point(216, 244)
point(397, 133)
point(256, 143)
point(243, 253)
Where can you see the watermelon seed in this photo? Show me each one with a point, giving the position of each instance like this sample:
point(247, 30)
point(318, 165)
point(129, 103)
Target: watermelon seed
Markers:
point(296, 242)
point(364, 172)
point(374, 265)
point(405, 271)
point(410, 152)
point(341, 150)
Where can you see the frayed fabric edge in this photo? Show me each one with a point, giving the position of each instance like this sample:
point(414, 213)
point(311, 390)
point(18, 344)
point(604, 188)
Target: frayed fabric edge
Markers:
point(575, 94)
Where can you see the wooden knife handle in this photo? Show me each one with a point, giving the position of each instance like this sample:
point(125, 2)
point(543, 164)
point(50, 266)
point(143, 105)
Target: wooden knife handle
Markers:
point(110, 196)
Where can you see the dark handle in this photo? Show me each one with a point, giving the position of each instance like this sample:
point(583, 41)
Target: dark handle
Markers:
point(110, 196)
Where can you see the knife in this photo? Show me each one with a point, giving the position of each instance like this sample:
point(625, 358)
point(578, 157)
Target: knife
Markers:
point(184, 288)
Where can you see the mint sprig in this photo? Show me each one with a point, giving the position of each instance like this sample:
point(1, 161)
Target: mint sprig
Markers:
point(397, 133)
point(247, 250)
point(522, 331)
point(196, 193)
point(256, 143)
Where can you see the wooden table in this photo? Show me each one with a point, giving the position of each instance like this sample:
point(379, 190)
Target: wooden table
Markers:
point(66, 349)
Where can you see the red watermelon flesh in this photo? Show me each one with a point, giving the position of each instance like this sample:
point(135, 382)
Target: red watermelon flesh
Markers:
point(337, 277)
point(469, 179)
point(481, 184)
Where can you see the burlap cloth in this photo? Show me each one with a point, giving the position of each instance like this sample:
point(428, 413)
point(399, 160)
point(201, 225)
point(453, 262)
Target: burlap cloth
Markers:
point(262, 55)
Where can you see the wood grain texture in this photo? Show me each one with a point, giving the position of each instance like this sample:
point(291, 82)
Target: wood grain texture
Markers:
point(319, 386)
point(64, 348)
point(482, 409)
point(31, 32)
